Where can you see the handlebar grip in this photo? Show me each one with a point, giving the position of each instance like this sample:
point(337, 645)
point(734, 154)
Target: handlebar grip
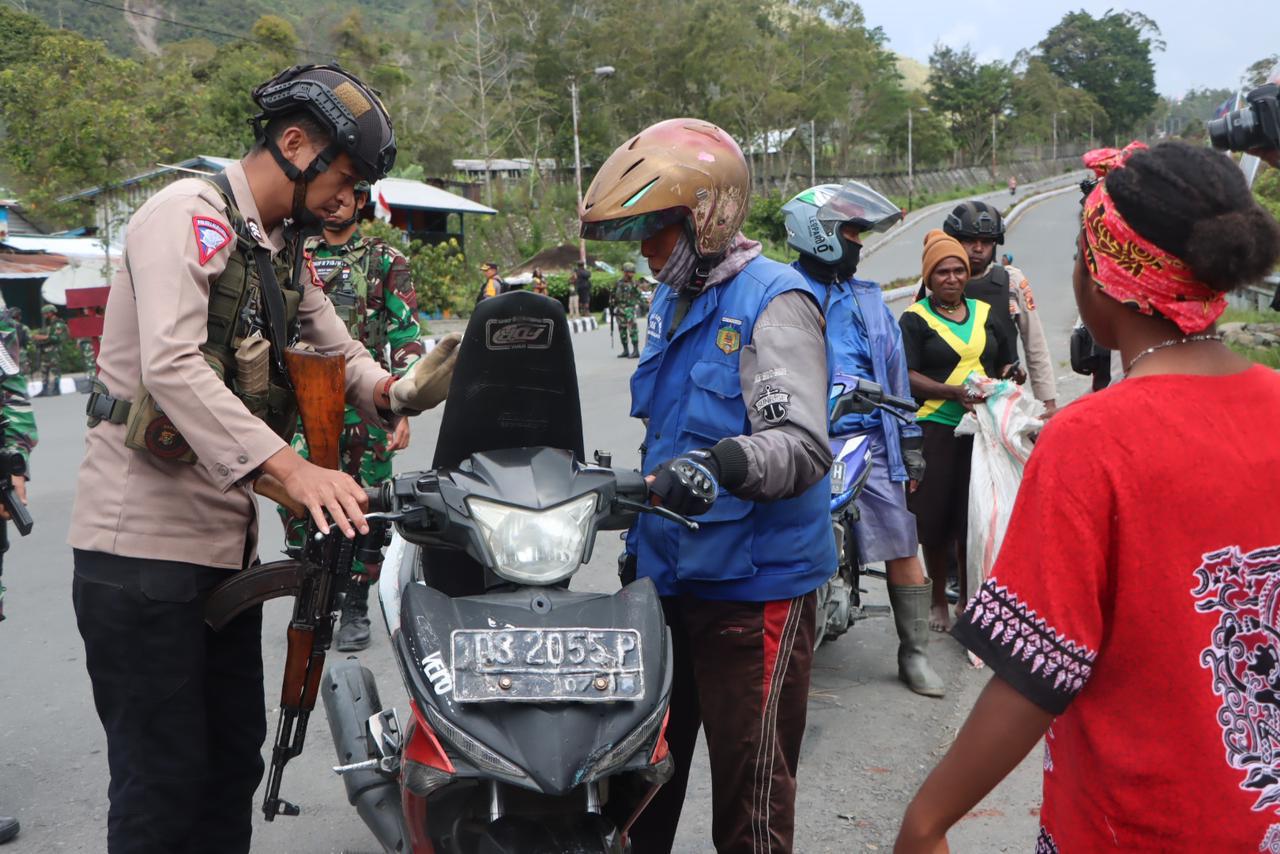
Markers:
point(631, 485)
point(903, 403)
point(380, 498)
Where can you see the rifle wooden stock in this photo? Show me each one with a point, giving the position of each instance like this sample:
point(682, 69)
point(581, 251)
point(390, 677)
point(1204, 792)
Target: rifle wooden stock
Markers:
point(293, 686)
point(319, 380)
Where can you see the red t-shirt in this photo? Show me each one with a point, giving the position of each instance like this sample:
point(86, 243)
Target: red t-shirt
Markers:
point(1137, 596)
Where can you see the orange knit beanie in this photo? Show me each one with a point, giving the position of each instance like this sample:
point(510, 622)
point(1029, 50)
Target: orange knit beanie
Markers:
point(938, 246)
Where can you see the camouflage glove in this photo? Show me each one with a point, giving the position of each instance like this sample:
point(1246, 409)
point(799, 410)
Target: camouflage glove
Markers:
point(426, 384)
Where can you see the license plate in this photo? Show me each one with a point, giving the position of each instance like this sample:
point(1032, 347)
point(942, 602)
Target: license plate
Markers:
point(837, 477)
point(547, 665)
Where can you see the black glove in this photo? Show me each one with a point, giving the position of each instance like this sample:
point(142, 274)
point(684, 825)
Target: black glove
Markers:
point(688, 484)
point(913, 457)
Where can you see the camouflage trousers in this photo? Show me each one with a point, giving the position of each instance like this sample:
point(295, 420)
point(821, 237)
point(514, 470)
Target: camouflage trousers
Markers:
point(362, 453)
point(626, 320)
point(50, 369)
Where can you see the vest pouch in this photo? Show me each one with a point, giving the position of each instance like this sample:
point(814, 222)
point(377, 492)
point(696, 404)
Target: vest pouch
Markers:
point(720, 550)
point(715, 408)
point(148, 428)
point(253, 372)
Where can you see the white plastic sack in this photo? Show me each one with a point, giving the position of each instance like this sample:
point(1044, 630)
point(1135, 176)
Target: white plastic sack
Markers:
point(1002, 426)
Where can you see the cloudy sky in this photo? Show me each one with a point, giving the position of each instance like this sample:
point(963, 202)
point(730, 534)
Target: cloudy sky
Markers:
point(1209, 44)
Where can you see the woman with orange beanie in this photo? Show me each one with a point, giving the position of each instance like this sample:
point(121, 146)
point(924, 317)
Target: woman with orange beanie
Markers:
point(946, 337)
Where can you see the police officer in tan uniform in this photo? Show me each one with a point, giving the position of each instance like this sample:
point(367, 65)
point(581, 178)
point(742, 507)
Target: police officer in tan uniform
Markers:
point(190, 409)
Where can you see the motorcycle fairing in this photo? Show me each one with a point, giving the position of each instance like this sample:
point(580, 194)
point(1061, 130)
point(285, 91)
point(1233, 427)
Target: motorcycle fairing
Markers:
point(854, 454)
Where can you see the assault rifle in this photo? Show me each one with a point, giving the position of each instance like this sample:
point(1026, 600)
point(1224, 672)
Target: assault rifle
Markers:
point(318, 578)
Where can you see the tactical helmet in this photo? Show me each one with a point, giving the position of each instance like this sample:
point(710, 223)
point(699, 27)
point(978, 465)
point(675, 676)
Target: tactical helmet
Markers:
point(48, 308)
point(364, 187)
point(972, 220)
point(814, 217)
point(348, 109)
point(628, 267)
point(676, 170)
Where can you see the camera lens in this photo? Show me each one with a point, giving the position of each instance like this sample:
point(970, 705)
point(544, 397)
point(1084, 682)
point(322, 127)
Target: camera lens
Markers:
point(1237, 131)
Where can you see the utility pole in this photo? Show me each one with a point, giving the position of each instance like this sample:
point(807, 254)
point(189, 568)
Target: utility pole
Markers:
point(993, 146)
point(911, 178)
point(601, 72)
point(813, 154)
point(577, 163)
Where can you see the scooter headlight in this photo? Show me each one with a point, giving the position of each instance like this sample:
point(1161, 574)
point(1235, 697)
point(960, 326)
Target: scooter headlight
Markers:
point(534, 546)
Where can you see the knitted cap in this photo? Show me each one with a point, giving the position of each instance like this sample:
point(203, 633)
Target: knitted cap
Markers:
point(939, 246)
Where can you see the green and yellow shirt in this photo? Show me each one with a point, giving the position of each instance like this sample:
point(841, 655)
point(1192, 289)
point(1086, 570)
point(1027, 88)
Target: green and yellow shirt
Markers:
point(946, 351)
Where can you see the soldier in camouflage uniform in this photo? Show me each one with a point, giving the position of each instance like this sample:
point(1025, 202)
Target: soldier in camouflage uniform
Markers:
point(369, 284)
point(49, 340)
point(625, 301)
point(20, 433)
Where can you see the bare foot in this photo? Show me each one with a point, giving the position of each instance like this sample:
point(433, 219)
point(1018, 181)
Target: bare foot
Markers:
point(940, 618)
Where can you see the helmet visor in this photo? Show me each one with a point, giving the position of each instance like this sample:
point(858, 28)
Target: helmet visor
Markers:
point(861, 207)
point(638, 227)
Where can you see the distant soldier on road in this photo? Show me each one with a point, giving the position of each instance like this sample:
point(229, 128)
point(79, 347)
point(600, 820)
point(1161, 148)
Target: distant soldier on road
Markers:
point(625, 301)
point(49, 341)
point(369, 285)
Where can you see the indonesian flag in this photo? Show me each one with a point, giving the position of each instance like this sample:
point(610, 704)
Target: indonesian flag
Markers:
point(381, 210)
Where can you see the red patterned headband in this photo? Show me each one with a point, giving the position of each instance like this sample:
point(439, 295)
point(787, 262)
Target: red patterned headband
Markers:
point(1132, 270)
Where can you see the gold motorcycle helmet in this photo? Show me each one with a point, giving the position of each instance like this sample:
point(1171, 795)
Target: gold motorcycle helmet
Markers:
point(678, 169)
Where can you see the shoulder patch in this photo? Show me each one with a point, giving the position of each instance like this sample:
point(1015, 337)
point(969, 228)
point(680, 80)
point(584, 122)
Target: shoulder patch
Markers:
point(211, 236)
point(1025, 286)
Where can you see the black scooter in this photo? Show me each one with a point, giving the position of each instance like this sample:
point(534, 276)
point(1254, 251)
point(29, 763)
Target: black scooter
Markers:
point(536, 714)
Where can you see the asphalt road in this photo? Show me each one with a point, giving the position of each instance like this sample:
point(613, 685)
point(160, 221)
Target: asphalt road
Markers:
point(868, 745)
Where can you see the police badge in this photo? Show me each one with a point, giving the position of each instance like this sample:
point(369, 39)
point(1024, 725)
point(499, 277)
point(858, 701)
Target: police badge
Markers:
point(729, 338)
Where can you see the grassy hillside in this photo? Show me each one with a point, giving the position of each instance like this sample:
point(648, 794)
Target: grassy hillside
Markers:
point(127, 34)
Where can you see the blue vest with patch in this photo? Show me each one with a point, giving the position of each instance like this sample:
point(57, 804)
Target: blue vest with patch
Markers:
point(689, 389)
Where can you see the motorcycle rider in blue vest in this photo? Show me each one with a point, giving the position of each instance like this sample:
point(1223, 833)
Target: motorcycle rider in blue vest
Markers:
point(732, 387)
point(824, 224)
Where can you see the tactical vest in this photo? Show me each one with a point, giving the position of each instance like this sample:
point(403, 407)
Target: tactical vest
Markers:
point(993, 288)
point(236, 312)
point(688, 388)
point(346, 283)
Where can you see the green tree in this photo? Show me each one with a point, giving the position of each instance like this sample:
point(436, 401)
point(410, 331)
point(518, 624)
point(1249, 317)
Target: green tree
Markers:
point(1110, 58)
point(1039, 94)
point(969, 94)
point(1261, 71)
point(71, 120)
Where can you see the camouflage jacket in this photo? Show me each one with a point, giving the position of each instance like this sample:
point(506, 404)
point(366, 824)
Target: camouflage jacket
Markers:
point(370, 286)
point(20, 431)
point(626, 295)
point(56, 331)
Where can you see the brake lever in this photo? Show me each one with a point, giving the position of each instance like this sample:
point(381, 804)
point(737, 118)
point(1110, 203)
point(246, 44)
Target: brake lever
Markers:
point(669, 515)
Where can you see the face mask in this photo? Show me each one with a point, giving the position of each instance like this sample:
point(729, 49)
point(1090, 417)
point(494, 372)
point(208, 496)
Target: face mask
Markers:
point(678, 270)
point(848, 263)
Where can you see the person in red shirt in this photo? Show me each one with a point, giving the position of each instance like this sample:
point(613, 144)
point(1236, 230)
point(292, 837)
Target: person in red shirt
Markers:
point(1133, 616)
